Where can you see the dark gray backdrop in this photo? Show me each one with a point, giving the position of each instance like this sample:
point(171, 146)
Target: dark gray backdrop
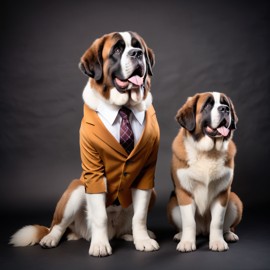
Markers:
point(199, 46)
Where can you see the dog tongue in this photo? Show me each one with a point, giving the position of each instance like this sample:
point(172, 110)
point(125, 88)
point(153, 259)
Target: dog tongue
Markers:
point(136, 80)
point(223, 131)
point(122, 84)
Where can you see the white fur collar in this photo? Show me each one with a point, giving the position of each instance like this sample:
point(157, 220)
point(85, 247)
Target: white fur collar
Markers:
point(92, 98)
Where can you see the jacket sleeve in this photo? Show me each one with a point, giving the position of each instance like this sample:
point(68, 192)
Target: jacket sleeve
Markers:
point(92, 166)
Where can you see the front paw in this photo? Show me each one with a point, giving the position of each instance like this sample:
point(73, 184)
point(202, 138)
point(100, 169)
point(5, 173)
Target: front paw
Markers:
point(49, 241)
point(218, 245)
point(146, 245)
point(186, 246)
point(230, 237)
point(129, 237)
point(100, 249)
point(177, 237)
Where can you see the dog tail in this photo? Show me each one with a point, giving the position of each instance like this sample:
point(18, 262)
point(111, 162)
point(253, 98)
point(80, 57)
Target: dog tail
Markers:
point(28, 235)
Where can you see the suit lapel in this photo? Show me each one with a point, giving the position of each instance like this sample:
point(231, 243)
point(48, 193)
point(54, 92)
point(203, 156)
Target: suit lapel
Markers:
point(101, 131)
point(103, 134)
point(147, 132)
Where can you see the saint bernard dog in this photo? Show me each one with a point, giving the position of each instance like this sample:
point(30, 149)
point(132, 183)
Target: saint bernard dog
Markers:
point(202, 171)
point(116, 188)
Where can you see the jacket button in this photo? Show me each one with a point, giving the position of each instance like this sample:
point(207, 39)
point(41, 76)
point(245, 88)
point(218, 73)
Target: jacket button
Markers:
point(125, 173)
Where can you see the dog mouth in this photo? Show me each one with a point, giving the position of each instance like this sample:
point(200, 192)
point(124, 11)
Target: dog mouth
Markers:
point(132, 82)
point(221, 131)
point(135, 80)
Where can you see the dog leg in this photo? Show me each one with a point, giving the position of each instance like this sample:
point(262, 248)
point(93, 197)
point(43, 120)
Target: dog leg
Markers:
point(188, 237)
point(63, 218)
point(232, 217)
point(217, 242)
point(98, 222)
point(141, 237)
point(175, 217)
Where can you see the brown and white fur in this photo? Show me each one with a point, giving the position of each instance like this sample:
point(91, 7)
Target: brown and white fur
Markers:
point(119, 66)
point(202, 172)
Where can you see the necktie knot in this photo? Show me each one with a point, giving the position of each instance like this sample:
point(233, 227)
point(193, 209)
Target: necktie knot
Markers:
point(124, 112)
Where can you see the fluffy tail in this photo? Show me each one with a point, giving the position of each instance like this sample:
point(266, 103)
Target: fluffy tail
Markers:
point(28, 235)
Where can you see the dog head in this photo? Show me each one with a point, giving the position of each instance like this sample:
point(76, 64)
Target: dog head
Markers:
point(208, 118)
point(119, 65)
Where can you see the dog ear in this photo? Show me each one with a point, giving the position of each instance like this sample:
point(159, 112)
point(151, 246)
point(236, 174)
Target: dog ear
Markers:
point(91, 62)
point(234, 119)
point(186, 115)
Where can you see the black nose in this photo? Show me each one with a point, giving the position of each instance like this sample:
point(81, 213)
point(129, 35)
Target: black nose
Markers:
point(136, 53)
point(224, 109)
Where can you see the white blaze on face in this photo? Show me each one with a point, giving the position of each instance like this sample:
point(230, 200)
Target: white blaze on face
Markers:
point(215, 115)
point(126, 63)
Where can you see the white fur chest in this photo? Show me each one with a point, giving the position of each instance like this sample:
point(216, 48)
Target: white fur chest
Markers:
point(205, 177)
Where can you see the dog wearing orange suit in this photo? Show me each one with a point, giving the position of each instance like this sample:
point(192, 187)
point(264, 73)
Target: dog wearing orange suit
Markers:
point(116, 188)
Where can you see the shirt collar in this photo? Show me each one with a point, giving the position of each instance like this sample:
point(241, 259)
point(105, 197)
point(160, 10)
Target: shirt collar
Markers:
point(139, 115)
point(110, 112)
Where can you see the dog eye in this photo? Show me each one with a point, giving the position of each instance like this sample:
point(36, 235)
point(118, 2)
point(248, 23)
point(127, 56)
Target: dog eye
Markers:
point(118, 47)
point(208, 106)
point(135, 43)
point(225, 103)
point(117, 50)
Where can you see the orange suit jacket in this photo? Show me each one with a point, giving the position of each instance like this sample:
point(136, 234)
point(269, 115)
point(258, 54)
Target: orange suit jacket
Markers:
point(106, 165)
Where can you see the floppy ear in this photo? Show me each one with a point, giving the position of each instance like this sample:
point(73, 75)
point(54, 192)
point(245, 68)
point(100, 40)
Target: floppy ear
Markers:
point(186, 116)
point(91, 62)
point(234, 119)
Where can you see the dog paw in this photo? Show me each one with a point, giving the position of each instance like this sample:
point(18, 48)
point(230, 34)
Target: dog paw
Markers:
point(218, 245)
point(151, 234)
point(146, 245)
point(100, 249)
point(49, 241)
point(73, 236)
point(127, 237)
point(186, 246)
point(230, 237)
point(177, 237)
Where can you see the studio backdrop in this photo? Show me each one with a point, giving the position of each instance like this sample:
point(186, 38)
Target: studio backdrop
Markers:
point(199, 46)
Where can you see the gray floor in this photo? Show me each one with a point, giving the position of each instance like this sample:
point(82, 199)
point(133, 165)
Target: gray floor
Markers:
point(251, 252)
